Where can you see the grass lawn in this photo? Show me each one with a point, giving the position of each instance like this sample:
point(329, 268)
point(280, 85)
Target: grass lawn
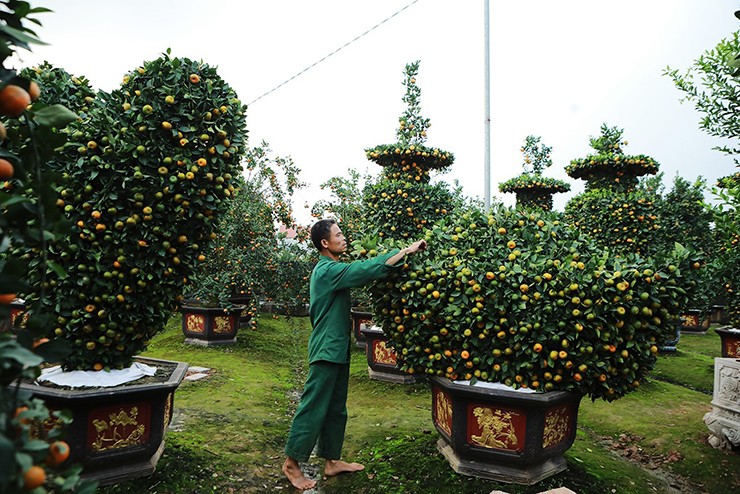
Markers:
point(692, 365)
point(230, 428)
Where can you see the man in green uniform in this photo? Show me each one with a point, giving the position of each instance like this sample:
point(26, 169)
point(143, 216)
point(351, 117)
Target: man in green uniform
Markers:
point(322, 413)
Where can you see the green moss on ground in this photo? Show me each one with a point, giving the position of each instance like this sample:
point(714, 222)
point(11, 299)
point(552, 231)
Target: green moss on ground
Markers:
point(686, 368)
point(230, 429)
point(708, 344)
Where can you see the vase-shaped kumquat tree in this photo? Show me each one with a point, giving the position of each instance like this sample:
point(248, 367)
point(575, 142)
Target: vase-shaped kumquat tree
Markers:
point(532, 189)
point(521, 298)
point(145, 176)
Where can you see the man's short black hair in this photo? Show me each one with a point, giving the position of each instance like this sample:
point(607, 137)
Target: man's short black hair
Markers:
point(321, 230)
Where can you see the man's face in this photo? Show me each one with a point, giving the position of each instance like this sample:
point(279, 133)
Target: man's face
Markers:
point(336, 243)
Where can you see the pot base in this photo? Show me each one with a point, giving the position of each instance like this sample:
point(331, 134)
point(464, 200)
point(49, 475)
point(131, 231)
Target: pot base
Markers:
point(209, 343)
point(123, 473)
point(391, 377)
point(526, 474)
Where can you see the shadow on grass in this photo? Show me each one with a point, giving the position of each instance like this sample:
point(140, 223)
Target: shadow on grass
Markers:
point(412, 465)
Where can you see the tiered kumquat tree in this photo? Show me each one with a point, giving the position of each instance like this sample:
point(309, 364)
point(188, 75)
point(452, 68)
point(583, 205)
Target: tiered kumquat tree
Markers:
point(532, 189)
point(403, 201)
point(612, 210)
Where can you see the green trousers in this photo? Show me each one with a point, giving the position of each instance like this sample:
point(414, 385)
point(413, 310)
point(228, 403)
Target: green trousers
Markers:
point(322, 413)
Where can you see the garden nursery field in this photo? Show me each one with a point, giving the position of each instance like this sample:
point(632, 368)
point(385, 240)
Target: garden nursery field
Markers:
point(229, 428)
point(514, 349)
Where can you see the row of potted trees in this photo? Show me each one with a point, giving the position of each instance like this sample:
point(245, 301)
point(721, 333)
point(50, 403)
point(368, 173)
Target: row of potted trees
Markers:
point(250, 265)
point(505, 296)
point(515, 297)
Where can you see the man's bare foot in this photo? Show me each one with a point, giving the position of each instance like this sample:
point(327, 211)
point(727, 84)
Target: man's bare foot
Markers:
point(335, 467)
point(292, 470)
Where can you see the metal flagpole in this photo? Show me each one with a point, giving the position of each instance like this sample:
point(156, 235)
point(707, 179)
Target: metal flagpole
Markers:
point(487, 106)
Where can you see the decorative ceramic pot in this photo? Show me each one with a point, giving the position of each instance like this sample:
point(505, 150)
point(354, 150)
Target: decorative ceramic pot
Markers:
point(117, 433)
point(719, 314)
point(498, 433)
point(16, 320)
point(381, 358)
point(360, 318)
point(210, 326)
point(730, 338)
point(671, 345)
point(691, 321)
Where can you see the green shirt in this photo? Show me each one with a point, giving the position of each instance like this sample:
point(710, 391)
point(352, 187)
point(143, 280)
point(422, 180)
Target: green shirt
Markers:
point(330, 304)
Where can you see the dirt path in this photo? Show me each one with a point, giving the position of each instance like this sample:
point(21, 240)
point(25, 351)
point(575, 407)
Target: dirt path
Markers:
point(627, 446)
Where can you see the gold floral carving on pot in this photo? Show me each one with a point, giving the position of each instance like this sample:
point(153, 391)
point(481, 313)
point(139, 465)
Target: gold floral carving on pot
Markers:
point(383, 354)
point(168, 410)
point(222, 324)
point(690, 320)
point(443, 411)
point(733, 349)
point(496, 428)
point(19, 318)
point(120, 430)
point(196, 323)
point(556, 426)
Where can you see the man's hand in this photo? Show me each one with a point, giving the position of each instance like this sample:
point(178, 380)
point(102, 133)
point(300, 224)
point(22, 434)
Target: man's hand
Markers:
point(417, 246)
point(411, 249)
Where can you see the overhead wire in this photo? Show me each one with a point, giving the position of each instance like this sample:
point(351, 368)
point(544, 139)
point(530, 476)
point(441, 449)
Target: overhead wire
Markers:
point(333, 52)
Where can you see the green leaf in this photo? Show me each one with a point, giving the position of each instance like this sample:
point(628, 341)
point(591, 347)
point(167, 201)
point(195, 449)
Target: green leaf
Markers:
point(59, 270)
point(55, 116)
point(24, 460)
point(35, 445)
point(7, 452)
point(21, 355)
point(22, 38)
point(87, 488)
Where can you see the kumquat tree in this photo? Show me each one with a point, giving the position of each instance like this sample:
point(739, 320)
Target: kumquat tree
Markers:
point(146, 173)
point(515, 296)
point(33, 452)
point(532, 189)
point(244, 260)
point(712, 85)
point(612, 210)
point(521, 298)
point(403, 201)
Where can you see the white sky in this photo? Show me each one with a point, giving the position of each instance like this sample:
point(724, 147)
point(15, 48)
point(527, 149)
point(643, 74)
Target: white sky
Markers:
point(559, 69)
